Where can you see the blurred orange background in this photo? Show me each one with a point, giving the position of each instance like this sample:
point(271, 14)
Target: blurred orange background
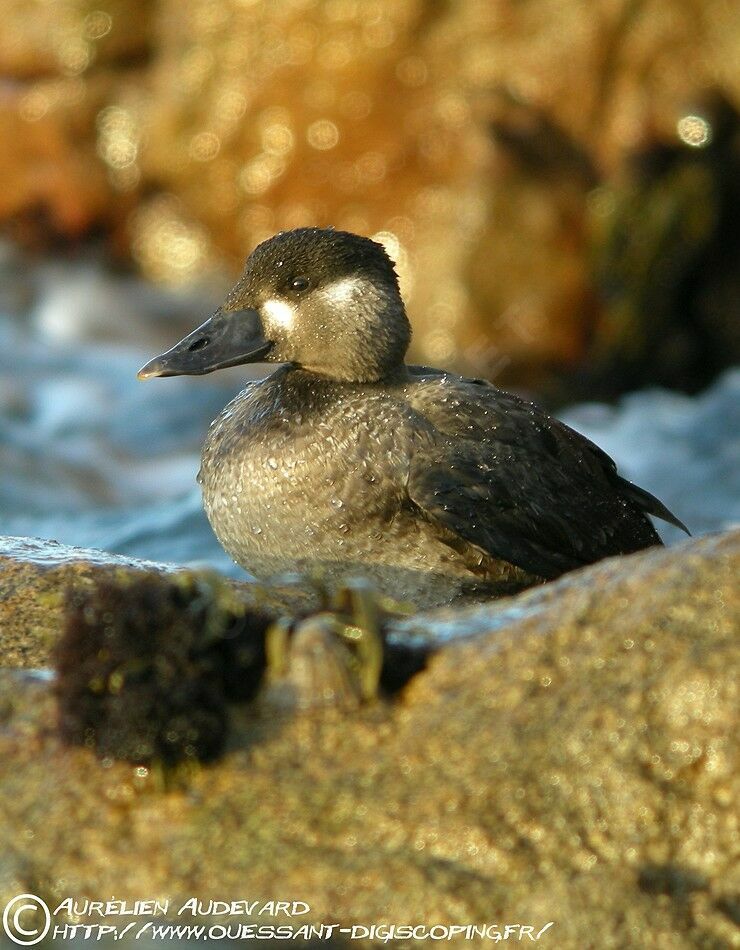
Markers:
point(549, 176)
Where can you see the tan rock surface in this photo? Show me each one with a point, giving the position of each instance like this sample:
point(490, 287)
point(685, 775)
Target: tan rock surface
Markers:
point(36, 576)
point(573, 762)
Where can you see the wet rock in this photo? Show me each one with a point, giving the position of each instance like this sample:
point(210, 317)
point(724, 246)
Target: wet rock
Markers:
point(667, 257)
point(37, 577)
point(568, 756)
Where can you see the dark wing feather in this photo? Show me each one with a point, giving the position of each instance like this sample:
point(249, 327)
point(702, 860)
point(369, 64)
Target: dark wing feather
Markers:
point(652, 505)
point(517, 484)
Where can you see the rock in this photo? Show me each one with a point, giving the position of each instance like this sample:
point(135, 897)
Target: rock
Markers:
point(36, 577)
point(667, 258)
point(69, 36)
point(54, 183)
point(147, 664)
point(567, 756)
point(216, 125)
point(64, 64)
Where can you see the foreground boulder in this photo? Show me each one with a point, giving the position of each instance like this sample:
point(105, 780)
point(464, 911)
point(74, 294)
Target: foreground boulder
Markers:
point(37, 576)
point(566, 756)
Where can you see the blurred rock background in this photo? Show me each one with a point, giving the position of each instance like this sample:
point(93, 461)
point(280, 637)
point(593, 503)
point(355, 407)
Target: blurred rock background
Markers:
point(557, 180)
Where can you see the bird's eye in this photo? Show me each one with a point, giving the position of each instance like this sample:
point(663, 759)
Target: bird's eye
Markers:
point(299, 283)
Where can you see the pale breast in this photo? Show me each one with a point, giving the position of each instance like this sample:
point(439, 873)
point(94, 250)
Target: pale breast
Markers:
point(287, 486)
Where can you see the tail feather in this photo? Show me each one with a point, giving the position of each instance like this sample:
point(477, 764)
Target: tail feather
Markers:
point(652, 505)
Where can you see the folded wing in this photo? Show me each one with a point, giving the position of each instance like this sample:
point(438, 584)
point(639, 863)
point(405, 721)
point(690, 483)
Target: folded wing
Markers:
point(495, 472)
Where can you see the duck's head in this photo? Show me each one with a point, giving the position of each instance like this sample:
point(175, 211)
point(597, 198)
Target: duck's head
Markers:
point(324, 300)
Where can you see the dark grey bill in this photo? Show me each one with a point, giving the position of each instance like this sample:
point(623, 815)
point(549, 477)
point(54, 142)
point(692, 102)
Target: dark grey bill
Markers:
point(226, 339)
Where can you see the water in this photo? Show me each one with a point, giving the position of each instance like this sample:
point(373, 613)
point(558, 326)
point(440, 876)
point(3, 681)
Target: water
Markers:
point(685, 450)
point(90, 456)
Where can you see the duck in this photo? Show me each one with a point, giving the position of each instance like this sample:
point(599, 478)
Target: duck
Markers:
point(347, 462)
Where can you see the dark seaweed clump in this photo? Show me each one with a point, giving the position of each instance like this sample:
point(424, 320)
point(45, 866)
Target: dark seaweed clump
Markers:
point(147, 665)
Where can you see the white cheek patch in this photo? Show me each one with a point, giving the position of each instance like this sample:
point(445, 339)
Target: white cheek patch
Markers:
point(344, 291)
point(279, 313)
